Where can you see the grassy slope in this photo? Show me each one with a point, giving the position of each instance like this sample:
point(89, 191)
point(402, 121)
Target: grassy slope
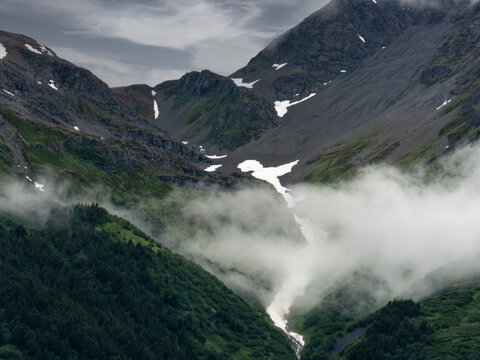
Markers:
point(66, 155)
point(90, 285)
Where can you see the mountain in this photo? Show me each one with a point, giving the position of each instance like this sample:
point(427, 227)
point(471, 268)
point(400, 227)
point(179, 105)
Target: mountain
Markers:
point(357, 82)
point(206, 109)
point(59, 121)
point(88, 285)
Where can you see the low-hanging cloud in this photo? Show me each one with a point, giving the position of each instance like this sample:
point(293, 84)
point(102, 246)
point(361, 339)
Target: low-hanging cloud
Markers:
point(399, 227)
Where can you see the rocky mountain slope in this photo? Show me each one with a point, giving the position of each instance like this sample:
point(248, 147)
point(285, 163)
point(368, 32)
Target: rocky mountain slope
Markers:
point(380, 84)
point(357, 82)
point(60, 121)
point(203, 108)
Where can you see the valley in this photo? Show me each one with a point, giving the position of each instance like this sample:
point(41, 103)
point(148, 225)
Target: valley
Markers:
point(320, 202)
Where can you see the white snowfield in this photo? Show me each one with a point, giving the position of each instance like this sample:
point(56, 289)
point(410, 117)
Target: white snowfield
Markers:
point(281, 107)
point(43, 49)
point(3, 51)
point(155, 109)
point(32, 49)
point(212, 168)
point(361, 38)
point(40, 187)
point(445, 103)
point(278, 66)
point(269, 174)
point(51, 83)
point(215, 157)
point(239, 82)
point(8, 92)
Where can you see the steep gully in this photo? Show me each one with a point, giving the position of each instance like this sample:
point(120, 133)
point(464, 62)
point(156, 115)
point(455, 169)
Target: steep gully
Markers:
point(294, 285)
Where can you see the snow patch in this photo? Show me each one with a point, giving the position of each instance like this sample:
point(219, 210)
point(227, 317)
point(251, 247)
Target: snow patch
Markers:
point(214, 157)
point(374, 1)
point(32, 49)
point(361, 37)
point(239, 82)
point(39, 82)
point(270, 175)
point(8, 92)
point(202, 149)
point(212, 168)
point(445, 103)
point(184, 142)
point(343, 71)
point(51, 83)
point(154, 93)
point(278, 66)
point(28, 178)
point(40, 187)
point(281, 107)
point(155, 109)
point(76, 128)
point(3, 51)
point(44, 49)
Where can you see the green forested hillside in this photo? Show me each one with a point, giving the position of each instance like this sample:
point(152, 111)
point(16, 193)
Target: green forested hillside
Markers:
point(88, 285)
point(445, 326)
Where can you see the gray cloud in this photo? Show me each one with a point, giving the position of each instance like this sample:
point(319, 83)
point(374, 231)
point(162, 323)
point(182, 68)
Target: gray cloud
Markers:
point(174, 36)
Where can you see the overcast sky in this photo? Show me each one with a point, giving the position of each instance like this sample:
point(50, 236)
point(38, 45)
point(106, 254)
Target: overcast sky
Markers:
point(149, 41)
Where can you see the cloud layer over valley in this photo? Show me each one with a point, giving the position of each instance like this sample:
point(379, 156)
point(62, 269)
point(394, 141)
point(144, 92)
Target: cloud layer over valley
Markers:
point(397, 227)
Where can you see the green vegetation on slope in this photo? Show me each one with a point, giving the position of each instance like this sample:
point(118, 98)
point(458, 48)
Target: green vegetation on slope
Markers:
point(445, 326)
point(88, 162)
point(341, 161)
point(336, 163)
point(88, 285)
point(337, 313)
